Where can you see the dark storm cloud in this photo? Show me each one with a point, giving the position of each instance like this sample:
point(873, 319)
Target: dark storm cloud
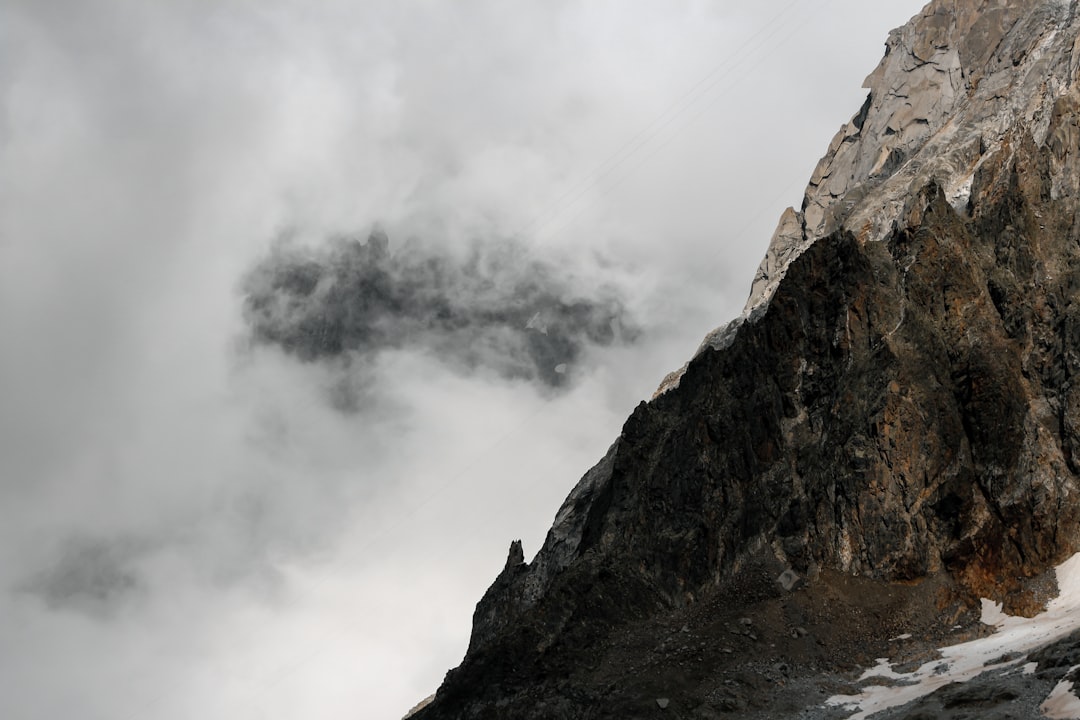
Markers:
point(494, 307)
point(89, 575)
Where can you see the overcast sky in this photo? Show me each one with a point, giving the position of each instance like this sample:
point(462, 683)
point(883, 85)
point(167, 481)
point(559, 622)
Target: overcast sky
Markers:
point(202, 518)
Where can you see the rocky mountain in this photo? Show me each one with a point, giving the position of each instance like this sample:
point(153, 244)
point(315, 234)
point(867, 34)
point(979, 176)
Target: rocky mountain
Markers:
point(884, 443)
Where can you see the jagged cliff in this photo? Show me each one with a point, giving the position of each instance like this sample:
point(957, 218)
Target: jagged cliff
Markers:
point(890, 431)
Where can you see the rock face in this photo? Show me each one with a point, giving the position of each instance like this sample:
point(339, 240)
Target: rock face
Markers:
point(952, 89)
point(895, 412)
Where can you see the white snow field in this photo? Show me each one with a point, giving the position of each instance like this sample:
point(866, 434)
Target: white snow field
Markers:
point(1006, 649)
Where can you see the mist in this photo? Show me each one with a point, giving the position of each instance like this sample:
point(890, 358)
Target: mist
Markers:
point(309, 309)
point(493, 308)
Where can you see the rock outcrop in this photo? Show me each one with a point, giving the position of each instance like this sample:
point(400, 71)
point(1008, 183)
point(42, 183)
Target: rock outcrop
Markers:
point(890, 430)
point(954, 85)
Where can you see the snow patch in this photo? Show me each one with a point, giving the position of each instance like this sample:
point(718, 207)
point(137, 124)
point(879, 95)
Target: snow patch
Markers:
point(882, 669)
point(959, 193)
point(992, 613)
point(1013, 639)
point(1062, 704)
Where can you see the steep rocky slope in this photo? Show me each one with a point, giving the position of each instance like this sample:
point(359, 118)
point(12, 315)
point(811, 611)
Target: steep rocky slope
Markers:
point(888, 434)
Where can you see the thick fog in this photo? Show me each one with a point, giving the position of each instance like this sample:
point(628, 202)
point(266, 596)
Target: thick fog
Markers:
point(308, 309)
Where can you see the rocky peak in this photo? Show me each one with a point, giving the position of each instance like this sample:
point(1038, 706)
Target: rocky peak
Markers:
point(955, 82)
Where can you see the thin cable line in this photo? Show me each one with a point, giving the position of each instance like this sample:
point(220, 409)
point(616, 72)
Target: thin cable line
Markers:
point(643, 136)
point(656, 150)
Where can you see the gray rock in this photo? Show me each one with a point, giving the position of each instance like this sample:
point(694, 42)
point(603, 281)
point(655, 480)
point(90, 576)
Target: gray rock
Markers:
point(788, 579)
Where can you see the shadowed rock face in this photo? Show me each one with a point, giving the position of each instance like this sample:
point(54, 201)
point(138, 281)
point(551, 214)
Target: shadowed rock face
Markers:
point(899, 406)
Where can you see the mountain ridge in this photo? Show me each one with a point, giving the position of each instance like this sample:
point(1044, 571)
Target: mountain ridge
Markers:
point(894, 411)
